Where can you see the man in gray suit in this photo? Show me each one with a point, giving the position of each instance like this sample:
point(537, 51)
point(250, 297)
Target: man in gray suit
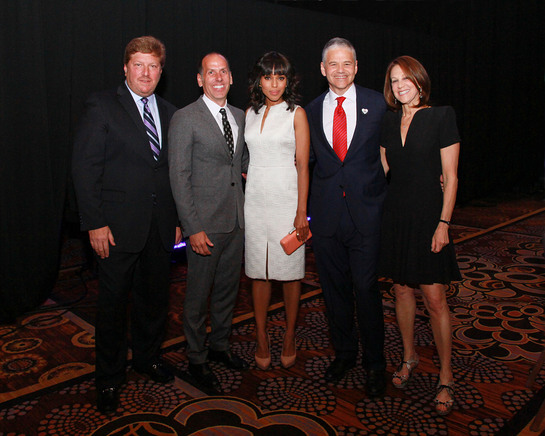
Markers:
point(207, 155)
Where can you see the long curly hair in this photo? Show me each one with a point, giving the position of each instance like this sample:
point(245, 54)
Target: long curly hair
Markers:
point(279, 64)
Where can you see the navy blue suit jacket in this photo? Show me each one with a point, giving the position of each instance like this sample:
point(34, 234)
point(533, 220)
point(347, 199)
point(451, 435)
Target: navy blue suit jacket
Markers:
point(360, 177)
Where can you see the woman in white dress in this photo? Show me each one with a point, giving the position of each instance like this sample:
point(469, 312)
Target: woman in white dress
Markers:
point(278, 140)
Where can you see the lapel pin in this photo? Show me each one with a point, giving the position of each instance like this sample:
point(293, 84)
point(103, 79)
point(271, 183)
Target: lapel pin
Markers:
point(365, 111)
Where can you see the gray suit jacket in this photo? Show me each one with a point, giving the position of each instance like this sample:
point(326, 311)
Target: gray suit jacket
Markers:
point(206, 182)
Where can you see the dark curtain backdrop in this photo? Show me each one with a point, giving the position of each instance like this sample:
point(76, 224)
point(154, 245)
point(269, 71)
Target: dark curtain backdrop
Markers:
point(485, 58)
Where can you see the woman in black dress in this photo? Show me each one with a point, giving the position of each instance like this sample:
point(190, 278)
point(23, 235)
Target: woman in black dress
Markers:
point(420, 144)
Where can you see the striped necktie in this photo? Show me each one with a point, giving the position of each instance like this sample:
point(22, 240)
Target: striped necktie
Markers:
point(151, 130)
point(339, 129)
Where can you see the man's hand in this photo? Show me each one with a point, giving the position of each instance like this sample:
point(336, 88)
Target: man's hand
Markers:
point(178, 237)
point(100, 241)
point(199, 243)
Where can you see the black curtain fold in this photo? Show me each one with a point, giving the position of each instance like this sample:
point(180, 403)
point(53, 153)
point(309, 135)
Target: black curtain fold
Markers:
point(484, 58)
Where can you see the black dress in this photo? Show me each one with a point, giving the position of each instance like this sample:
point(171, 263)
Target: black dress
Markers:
point(412, 208)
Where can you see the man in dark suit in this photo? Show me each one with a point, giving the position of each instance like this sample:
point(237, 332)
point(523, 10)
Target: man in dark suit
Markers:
point(206, 157)
point(120, 172)
point(348, 189)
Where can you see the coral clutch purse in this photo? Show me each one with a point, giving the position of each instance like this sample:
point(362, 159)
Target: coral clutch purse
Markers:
point(290, 243)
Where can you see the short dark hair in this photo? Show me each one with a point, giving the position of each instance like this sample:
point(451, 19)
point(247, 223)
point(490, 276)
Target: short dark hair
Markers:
point(416, 73)
point(145, 44)
point(273, 63)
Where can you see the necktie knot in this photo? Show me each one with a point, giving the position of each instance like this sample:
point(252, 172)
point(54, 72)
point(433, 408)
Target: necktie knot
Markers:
point(144, 100)
point(340, 101)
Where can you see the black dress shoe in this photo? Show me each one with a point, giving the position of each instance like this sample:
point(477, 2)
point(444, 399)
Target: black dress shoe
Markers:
point(205, 378)
point(230, 360)
point(376, 383)
point(338, 369)
point(107, 400)
point(158, 372)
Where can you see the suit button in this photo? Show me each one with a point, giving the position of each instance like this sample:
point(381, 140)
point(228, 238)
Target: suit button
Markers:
point(232, 183)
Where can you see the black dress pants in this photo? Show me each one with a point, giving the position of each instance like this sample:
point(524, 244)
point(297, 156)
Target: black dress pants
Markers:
point(347, 263)
point(135, 283)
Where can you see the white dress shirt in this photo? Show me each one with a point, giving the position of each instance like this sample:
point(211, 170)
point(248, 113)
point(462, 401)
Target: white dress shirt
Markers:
point(350, 109)
point(152, 104)
point(215, 110)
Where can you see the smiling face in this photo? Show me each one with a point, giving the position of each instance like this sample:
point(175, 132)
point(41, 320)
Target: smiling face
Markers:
point(143, 72)
point(273, 87)
point(215, 78)
point(339, 68)
point(405, 91)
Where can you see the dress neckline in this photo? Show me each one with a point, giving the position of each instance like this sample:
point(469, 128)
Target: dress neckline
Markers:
point(399, 117)
point(264, 107)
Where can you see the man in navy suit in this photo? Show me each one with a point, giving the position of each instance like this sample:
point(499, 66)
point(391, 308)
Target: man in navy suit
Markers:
point(348, 189)
point(120, 172)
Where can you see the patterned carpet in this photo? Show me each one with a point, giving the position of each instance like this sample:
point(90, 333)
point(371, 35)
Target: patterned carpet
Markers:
point(46, 360)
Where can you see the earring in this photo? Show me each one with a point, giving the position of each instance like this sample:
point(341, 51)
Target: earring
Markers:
point(420, 89)
point(395, 100)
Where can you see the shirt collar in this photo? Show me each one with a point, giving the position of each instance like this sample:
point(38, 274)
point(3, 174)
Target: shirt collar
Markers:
point(350, 94)
point(212, 105)
point(138, 98)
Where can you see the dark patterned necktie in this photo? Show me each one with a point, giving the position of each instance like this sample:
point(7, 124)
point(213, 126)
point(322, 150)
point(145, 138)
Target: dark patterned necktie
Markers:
point(339, 129)
point(151, 130)
point(227, 132)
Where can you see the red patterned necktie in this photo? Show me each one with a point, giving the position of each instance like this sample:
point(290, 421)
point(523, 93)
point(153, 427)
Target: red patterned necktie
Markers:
point(339, 129)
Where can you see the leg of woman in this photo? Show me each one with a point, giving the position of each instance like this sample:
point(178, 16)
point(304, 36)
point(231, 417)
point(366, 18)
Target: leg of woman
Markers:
point(292, 295)
point(405, 305)
point(261, 296)
point(436, 303)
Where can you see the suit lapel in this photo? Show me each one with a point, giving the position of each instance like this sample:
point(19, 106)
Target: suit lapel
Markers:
point(319, 115)
point(239, 146)
point(126, 100)
point(215, 128)
point(361, 130)
point(163, 114)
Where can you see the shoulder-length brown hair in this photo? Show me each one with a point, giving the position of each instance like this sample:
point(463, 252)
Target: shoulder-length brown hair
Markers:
point(265, 65)
point(416, 73)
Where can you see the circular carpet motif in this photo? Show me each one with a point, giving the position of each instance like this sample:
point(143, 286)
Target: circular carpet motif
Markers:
point(399, 416)
point(66, 371)
point(84, 340)
point(21, 364)
point(296, 394)
point(21, 345)
point(45, 320)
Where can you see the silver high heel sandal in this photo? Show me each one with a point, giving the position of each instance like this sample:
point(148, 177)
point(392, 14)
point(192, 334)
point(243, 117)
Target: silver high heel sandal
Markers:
point(410, 364)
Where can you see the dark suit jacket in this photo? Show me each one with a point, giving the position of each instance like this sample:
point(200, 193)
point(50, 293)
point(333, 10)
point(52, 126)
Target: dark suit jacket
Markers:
point(118, 183)
point(206, 182)
point(360, 176)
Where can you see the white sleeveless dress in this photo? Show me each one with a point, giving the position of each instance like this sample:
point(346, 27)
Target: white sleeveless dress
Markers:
point(271, 195)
